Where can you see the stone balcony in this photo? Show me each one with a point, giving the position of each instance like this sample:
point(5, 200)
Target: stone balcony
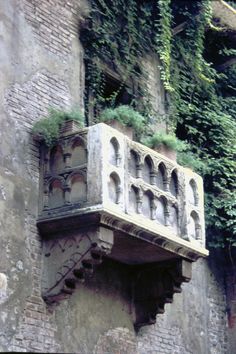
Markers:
point(106, 195)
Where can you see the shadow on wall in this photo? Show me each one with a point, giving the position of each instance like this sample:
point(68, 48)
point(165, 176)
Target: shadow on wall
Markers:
point(97, 318)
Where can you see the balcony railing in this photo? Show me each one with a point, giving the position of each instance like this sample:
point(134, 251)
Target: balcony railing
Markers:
point(116, 197)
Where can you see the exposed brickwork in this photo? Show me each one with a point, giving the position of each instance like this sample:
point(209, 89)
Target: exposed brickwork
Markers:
point(231, 306)
point(54, 23)
point(231, 296)
point(197, 314)
point(25, 104)
point(118, 340)
point(36, 329)
point(167, 340)
point(29, 102)
point(217, 316)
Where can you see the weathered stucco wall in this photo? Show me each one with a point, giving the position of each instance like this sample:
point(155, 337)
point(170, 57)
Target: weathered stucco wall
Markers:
point(42, 65)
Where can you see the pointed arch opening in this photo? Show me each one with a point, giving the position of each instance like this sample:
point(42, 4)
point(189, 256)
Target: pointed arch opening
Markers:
point(174, 187)
point(133, 199)
point(114, 152)
point(161, 177)
point(194, 226)
point(56, 194)
point(78, 153)
point(78, 188)
point(192, 193)
point(114, 188)
point(134, 164)
point(161, 210)
point(148, 204)
point(148, 170)
point(56, 159)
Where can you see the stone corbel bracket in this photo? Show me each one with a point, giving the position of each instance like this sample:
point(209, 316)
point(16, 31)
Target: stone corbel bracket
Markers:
point(68, 261)
point(154, 286)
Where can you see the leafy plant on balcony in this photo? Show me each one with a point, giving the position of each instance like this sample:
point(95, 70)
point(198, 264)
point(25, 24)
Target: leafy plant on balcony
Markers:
point(126, 116)
point(168, 140)
point(49, 128)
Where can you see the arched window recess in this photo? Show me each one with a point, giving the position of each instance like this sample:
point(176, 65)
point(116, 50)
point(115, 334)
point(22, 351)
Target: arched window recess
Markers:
point(56, 161)
point(76, 188)
point(56, 192)
point(78, 152)
point(114, 152)
point(148, 205)
point(135, 199)
point(114, 188)
point(194, 226)
point(161, 177)
point(148, 170)
point(193, 196)
point(134, 164)
point(162, 211)
point(174, 184)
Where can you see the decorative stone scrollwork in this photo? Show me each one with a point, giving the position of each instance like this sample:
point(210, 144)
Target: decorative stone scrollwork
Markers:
point(105, 195)
point(69, 261)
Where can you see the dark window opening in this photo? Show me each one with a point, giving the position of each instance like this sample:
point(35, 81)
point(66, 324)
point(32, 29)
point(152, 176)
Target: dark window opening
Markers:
point(115, 88)
point(113, 92)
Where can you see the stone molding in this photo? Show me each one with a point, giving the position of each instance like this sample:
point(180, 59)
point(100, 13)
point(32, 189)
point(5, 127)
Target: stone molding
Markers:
point(104, 195)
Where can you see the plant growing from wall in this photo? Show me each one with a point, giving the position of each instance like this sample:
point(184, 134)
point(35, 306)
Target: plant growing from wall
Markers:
point(120, 33)
point(204, 110)
point(49, 128)
point(163, 41)
point(202, 105)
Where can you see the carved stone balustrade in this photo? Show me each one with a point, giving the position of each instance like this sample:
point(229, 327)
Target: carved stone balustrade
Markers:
point(106, 195)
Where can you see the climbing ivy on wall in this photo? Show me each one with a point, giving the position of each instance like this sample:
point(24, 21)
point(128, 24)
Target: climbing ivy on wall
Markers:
point(206, 119)
point(202, 107)
point(120, 33)
point(204, 110)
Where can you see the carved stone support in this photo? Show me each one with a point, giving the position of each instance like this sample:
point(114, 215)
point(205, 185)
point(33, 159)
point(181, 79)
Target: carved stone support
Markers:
point(69, 260)
point(78, 219)
point(154, 286)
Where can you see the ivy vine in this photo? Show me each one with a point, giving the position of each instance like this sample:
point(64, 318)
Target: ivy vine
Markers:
point(202, 107)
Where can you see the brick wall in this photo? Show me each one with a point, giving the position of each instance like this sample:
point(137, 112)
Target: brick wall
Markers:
point(194, 324)
point(231, 305)
point(54, 23)
point(25, 104)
